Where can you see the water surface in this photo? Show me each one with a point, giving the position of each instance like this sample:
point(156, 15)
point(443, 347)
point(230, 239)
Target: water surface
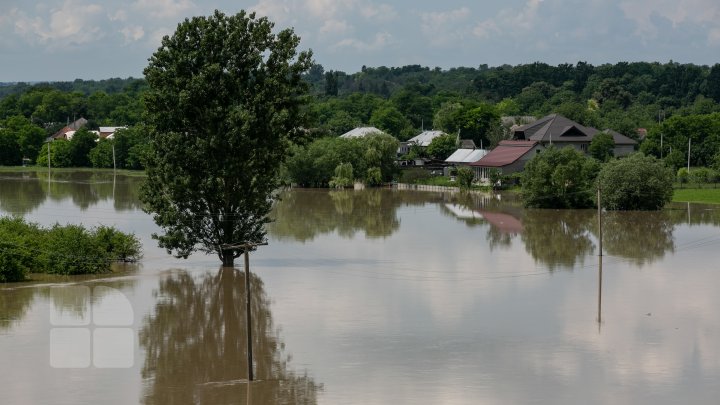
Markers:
point(380, 296)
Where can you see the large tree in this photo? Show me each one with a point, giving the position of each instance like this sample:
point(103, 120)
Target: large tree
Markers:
point(223, 106)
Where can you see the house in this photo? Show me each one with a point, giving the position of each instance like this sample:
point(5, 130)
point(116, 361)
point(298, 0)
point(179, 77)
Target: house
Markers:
point(360, 132)
point(69, 130)
point(559, 131)
point(508, 157)
point(463, 157)
point(108, 132)
point(424, 139)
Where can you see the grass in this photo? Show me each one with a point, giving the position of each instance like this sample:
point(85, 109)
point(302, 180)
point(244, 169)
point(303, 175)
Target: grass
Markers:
point(21, 169)
point(699, 195)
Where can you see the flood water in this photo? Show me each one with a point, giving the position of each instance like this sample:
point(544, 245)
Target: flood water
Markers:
point(373, 297)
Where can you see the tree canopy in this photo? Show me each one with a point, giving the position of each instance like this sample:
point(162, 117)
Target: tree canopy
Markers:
point(637, 182)
point(559, 178)
point(223, 105)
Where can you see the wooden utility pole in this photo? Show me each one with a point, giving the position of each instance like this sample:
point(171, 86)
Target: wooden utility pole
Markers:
point(248, 313)
point(689, 155)
point(114, 165)
point(600, 256)
point(49, 155)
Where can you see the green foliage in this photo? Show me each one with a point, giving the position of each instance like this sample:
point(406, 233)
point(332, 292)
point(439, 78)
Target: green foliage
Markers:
point(374, 177)
point(495, 177)
point(675, 160)
point(224, 105)
point(10, 152)
point(702, 175)
point(637, 182)
point(101, 156)
point(559, 178)
point(465, 177)
point(82, 142)
point(314, 165)
point(343, 176)
point(60, 154)
point(702, 130)
point(602, 147)
point(683, 176)
point(442, 146)
point(414, 175)
point(390, 119)
point(71, 249)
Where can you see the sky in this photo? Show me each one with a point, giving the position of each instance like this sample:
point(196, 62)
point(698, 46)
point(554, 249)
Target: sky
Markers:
point(53, 40)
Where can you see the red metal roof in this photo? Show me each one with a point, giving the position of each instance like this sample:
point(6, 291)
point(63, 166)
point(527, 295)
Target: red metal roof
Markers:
point(505, 153)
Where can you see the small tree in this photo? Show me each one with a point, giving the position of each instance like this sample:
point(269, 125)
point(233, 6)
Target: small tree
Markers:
point(465, 177)
point(442, 146)
point(559, 178)
point(637, 182)
point(343, 176)
point(682, 175)
point(602, 147)
point(494, 177)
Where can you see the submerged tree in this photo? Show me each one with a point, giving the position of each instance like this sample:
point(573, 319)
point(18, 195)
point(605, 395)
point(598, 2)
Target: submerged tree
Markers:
point(223, 105)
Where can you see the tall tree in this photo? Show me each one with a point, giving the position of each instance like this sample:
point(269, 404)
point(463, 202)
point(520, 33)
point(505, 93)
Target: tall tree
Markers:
point(223, 106)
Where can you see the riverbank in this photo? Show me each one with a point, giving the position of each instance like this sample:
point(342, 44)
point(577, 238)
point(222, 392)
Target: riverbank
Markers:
point(697, 195)
point(34, 169)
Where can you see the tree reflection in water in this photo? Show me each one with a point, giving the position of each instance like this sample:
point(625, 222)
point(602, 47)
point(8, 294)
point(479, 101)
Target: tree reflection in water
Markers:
point(558, 238)
point(196, 345)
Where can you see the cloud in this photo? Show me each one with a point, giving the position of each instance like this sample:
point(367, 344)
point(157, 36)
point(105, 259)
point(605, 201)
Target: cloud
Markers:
point(132, 33)
point(171, 9)
point(74, 23)
point(335, 27)
point(444, 27)
point(379, 12)
point(510, 21)
point(705, 13)
point(381, 40)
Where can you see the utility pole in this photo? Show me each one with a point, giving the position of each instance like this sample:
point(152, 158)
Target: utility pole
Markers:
point(600, 257)
point(689, 155)
point(246, 246)
point(49, 155)
point(113, 148)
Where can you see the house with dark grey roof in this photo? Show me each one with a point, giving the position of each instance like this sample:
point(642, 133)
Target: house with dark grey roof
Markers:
point(508, 157)
point(559, 131)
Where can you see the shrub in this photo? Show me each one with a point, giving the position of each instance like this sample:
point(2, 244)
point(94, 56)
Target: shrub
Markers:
point(414, 175)
point(637, 182)
point(465, 177)
point(700, 175)
point(374, 177)
point(119, 246)
point(682, 175)
point(343, 176)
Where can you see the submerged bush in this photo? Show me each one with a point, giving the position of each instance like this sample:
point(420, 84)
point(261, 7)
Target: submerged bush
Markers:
point(70, 249)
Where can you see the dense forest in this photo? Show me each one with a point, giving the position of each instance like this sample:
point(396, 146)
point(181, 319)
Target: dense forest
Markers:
point(672, 101)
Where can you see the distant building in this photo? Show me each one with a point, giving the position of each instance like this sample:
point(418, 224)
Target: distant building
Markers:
point(559, 131)
point(69, 130)
point(108, 132)
point(508, 157)
point(424, 139)
point(360, 132)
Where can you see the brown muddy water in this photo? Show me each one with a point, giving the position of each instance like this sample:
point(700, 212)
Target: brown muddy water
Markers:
point(373, 297)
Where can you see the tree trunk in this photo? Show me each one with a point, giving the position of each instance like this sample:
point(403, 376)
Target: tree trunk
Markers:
point(227, 258)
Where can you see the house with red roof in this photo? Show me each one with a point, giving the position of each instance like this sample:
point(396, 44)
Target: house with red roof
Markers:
point(508, 157)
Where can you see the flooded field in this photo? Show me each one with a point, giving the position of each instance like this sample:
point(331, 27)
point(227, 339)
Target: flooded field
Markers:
point(373, 297)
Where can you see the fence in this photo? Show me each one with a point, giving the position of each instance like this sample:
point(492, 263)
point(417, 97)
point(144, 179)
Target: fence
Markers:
point(424, 187)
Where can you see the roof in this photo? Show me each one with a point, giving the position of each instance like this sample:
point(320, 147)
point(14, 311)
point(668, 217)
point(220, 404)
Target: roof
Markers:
point(466, 155)
point(360, 132)
point(505, 223)
point(425, 138)
point(507, 152)
point(467, 144)
point(462, 211)
point(556, 128)
point(620, 139)
point(110, 129)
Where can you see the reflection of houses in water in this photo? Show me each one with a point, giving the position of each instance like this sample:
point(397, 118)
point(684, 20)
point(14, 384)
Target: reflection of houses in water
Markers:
point(504, 222)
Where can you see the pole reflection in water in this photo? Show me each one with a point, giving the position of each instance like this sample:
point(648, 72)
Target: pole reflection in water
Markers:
point(196, 345)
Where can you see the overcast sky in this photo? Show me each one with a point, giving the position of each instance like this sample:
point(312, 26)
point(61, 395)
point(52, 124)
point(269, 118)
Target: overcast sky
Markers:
point(98, 39)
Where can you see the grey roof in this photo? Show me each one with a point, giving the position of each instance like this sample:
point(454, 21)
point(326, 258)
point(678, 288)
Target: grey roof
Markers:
point(466, 156)
point(620, 139)
point(467, 144)
point(360, 132)
point(556, 128)
point(425, 138)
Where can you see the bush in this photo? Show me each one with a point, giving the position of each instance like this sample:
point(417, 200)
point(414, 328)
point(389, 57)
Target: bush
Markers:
point(70, 249)
point(414, 175)
point(343, 176)
point(465, 177)
point(700, 175)
point(682, 175)
point(374, 177)
point(637, 182)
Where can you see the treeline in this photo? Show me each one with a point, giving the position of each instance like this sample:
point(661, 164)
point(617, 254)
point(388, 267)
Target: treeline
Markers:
point(469, 101)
